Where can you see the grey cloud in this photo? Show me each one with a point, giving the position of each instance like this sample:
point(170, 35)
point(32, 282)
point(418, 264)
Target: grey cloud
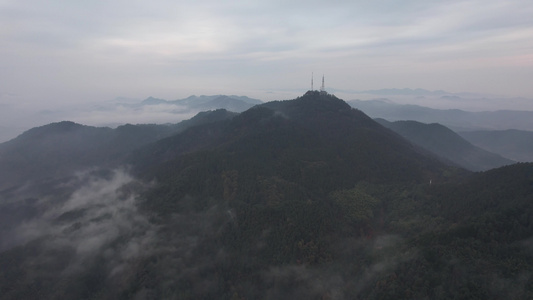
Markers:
point(58, 51)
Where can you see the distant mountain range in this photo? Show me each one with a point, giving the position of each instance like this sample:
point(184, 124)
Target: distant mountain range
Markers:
point(447, 145)
point(204, 103)
point(505, 132)
point(455, 119)
point(511, 143)
point(403, 92)
point(125, 110)
point(445, 100)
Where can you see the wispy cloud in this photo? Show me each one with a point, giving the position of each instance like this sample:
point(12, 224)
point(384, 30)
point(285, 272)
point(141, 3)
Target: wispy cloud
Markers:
point(95, 227)
point(91, 219)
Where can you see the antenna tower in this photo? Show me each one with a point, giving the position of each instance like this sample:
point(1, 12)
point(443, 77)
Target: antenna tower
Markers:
point(322, 88)
point(311, 81)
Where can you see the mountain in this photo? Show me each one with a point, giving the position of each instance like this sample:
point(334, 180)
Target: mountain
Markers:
point(153, 101)
point(515, 144)
point(194, 100)
point(317, 133)
point(464, 101)
point(205, 117)
point(447, 144)
point(298, 199)
point(203, 103)
point(457, 120)
point(51, 150)
point(405, 91)
point(59, 149)
point(226, 102)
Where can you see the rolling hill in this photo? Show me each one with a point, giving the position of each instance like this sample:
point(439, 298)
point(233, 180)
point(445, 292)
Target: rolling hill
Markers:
point(447, 144)
point(455, 119)
point(60, 149)
point(515, 144)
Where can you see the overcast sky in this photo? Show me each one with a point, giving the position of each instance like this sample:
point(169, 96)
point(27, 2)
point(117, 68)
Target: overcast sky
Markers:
point(55, 52)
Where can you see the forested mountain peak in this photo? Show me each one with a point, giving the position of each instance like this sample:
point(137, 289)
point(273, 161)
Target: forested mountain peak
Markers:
point(309, 102)
point(54, 128)
point(298, 199)
point(317, 141)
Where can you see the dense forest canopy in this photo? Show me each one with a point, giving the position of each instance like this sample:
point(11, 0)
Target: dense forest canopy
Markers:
point(299, 199)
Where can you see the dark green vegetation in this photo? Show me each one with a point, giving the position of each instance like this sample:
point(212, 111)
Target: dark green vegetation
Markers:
point(300, 199)
point(447, 144)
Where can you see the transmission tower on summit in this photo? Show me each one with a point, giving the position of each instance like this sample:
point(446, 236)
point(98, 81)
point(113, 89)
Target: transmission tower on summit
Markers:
point(323, 87)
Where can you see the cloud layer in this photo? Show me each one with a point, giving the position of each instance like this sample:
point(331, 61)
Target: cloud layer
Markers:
point(63, 51)
point(99, 211)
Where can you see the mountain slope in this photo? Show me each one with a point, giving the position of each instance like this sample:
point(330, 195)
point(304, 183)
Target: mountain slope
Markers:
point(447, 144)
point(313, 130)
point(59, 149)
point(455, 119)
point(282, 177)
point(515, 144)
point(52, 150)
point(308, 190)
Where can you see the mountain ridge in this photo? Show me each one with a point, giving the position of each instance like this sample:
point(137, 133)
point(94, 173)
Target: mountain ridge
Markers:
point(447, 144)
point(455, 119)
point(58, 149)
point(203, 102)
point(515, 144)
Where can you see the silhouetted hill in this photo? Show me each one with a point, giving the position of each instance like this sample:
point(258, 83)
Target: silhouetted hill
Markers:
point(226, 102)
point(515, 144)
point(447, 144)
point(199, 100)
point(59, 149)
point(455, 119)
point(153, 101)
point(318, 133)
point(204, 103)
point(52, 150)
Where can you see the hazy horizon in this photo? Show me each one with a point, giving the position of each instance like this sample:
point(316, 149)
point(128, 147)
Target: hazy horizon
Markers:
point(59, 55)
point(71, 51)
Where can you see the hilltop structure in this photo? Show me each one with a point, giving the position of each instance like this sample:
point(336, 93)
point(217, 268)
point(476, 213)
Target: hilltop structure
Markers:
point(322, 87)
